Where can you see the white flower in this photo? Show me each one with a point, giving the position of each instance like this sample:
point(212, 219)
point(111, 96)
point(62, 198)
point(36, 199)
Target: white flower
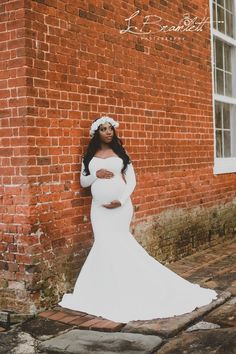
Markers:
point(102, 120)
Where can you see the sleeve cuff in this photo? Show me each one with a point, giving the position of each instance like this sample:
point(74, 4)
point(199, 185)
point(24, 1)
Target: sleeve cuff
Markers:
point(94, 175)
point(121, 201)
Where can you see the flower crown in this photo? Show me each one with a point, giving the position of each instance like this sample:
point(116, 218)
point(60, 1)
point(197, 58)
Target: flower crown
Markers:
point(102, 120)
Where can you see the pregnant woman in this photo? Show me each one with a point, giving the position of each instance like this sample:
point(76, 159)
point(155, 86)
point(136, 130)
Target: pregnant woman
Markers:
point(119, 280)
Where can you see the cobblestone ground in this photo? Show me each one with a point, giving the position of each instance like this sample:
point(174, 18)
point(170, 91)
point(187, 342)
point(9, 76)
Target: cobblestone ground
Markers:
point(210, 329)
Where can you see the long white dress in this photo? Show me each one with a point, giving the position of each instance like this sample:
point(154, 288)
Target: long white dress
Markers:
point(119, 280)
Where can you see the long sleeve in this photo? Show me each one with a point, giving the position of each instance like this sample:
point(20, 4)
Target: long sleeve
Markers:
point(130, 184)
point(86, 181)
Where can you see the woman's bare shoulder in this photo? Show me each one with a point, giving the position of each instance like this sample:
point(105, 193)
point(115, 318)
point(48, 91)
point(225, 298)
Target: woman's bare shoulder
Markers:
point(103, 155)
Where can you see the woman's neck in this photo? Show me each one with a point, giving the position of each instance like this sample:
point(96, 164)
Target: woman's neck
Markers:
point(105, 146)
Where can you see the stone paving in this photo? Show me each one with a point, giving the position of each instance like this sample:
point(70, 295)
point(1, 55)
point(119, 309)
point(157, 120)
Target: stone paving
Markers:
point(209, 329)
point(84, 341)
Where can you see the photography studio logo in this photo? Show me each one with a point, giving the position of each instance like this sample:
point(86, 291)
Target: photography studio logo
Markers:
point(153, 26)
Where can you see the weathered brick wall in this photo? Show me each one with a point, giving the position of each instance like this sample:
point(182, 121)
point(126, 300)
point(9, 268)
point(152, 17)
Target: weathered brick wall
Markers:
point(178, 232)
point(15, 197)
point(65, 63)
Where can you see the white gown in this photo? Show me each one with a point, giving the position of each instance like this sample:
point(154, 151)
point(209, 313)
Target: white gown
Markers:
point(119, 280)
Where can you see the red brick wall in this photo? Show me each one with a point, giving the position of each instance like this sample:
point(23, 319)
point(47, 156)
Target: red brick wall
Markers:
point(15, 223)
point(63, 64)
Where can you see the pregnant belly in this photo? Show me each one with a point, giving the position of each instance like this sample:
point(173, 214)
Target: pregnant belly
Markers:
point(104, 190)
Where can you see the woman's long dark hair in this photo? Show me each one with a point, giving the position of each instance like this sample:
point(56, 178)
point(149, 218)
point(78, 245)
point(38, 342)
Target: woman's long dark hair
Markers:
point(94, 145)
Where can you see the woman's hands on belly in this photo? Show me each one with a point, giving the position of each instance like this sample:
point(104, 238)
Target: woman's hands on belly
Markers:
point(113, 204)
point(103, 173)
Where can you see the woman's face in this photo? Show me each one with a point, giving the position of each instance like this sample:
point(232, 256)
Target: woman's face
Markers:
point(106, 133)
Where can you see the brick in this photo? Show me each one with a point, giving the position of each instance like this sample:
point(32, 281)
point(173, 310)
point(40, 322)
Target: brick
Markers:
point(106, 325)
point(47, 314)
point(56, 76)
point(80, 320)
point(68, 319)
point(90, 323)
point(58, 316)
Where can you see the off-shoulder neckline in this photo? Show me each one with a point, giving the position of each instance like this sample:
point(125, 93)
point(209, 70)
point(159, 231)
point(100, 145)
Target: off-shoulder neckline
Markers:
point(104, 158)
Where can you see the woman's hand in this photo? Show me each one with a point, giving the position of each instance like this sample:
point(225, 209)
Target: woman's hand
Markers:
point(113, 204)
point(102, 173)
